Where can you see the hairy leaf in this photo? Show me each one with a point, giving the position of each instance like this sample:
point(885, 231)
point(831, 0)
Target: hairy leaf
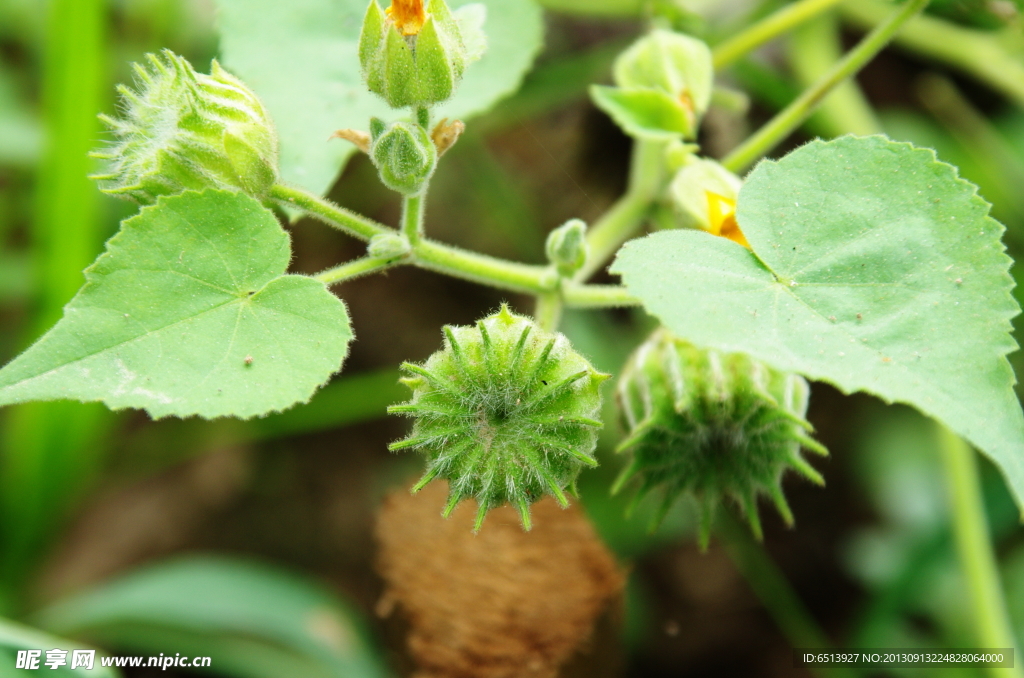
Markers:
point(301, 58)
point(189, 312)
point(874, 268)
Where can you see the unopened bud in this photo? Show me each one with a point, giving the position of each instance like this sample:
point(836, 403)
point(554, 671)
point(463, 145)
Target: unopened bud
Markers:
point(673, 63)
point(567, 247)
point(404, 155)
point(415, 55)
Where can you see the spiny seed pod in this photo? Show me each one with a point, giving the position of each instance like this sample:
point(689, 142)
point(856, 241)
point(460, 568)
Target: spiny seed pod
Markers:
point(567, 247)
point(712, 426)
point(404, 155)
point(415, 55)
point(704, 194)
point(184, 130)
point(505, 412)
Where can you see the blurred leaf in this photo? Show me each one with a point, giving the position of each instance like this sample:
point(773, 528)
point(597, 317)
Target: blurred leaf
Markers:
point(643, 113)
point(15, 276)
point(300, 57)
point(611, 8)
point(875, 268)
point(14, 637)
point(21, 137)
point(189, 312)
point(254, 621)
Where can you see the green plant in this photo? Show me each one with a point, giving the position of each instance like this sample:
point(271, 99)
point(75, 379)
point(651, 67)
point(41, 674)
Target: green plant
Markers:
point(861, 262)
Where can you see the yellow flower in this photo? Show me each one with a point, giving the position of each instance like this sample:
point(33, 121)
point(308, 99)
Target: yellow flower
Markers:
point(407, 15)
point(722, 215)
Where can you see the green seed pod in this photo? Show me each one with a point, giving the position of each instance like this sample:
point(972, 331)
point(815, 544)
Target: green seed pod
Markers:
point(567, 247)
point(669, 62)
point(404, 155)
point(711, 426)
point(184, 130)
point(505, 412)
point(413, 55)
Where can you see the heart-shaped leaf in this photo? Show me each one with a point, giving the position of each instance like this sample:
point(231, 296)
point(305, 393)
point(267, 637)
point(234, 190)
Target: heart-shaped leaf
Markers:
point(874, 268)
point(189, 312)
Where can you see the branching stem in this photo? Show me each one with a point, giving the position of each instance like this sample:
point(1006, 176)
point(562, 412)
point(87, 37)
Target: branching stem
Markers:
point(626, 216)
point(787, 120)
point(323, 209)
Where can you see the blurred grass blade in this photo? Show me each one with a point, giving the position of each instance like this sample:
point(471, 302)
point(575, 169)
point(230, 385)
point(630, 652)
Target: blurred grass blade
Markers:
point(15, 637)
point(252, 620)
point(50, 450)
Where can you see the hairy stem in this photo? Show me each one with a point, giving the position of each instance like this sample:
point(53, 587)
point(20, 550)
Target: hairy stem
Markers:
point(767, 29)
point(448, 260)
point(783, 124)
point(548, 311)
point(412, 216)
point(624, 219)
point(483, 269)
point(974, 546)
point(356, 269)
point(344, 220)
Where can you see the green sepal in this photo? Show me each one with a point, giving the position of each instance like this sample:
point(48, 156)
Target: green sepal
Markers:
point(645, 113)
point(437, 65)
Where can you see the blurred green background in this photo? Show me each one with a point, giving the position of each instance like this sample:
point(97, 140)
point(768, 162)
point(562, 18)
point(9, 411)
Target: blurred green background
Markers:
point(225, 538)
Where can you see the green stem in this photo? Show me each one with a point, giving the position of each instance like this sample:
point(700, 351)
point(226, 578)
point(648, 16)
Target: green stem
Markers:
point(597, 296)
point(770, 27)
point(783, 124)
point(774, 591)
point(627, 215)
point(812, 50)
point(345, 220)
point(452, 261)
point(356, 269)
point(548, 312)
point(974, 546)
point(982, 54)
point(412, 216)
point(483, 269)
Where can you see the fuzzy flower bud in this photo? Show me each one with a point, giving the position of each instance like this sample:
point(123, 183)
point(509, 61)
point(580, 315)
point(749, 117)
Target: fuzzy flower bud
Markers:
point(670, 62)
point(404, 154)
point(415, 55)
point(505, 412)
point(567, 247)
point(704, 194)
point(664, 87)
point(712, 426)
point(184, 130)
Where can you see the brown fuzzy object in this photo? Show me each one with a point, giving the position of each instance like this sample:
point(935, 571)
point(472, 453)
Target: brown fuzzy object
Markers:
point(503, 603)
